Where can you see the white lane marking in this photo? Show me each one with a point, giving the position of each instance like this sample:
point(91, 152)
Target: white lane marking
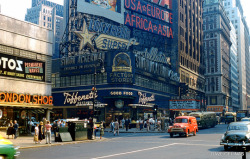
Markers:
point(125, 153)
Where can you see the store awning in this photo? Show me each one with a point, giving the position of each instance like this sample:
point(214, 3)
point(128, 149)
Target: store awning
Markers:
point(141, 105)
point(20, 105)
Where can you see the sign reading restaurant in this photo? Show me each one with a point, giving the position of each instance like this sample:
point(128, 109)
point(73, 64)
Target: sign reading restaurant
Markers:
point(17, 67)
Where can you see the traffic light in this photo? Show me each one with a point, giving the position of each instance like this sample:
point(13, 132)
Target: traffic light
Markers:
point(155, 109)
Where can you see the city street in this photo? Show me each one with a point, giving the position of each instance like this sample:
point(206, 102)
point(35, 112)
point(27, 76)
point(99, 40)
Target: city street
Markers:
point(143, 145)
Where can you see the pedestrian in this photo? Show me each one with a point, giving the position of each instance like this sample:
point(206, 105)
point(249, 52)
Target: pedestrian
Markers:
point(112, 126)
point(127, 123)
point(137, 124)
point(41, 134)
point(15, 128)
point(101, 130)
point(10, 130)
point(36, 134)
point(48, 132)
point(123, 122)
point(116, 127)
point(159, 124)
point(30, 125)
point(54, 128)
point(148, 125)
point(59, 123)
point(44, 122)
point(63, 124)
point(141, 124)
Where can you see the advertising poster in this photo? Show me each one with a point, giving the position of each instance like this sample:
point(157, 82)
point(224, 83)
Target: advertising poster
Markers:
point(18, 67)
point(111, 9)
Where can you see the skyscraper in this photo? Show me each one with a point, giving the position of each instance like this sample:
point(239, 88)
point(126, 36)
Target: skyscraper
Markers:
point(216, 26)
point(48, 15)
point(234, 11)
point(187, 54)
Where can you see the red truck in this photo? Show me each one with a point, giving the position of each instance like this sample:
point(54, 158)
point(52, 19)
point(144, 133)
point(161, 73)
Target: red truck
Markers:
point(183, 125)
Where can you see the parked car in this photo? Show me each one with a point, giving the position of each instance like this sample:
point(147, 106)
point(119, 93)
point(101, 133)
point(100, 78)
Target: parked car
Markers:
point(245, 119)
point(183, 125)
point(237, 135)
point(7, 150)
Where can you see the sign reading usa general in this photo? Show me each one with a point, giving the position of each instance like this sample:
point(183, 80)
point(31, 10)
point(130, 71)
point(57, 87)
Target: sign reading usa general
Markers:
point(17, 67)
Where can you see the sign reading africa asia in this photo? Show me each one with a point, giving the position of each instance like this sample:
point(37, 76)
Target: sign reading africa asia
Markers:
point(17, 67)
point(152, 18)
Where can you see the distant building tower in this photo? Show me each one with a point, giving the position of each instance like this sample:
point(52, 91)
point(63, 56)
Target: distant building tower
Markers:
point(216, 27)
point(48, 15)
point(234, 70)
point(234, 12)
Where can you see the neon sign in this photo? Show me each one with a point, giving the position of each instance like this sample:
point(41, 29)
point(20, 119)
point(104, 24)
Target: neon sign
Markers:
point(150, 10)
point(147, 25)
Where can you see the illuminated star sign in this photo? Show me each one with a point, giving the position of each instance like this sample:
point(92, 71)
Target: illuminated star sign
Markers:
point(85, 36)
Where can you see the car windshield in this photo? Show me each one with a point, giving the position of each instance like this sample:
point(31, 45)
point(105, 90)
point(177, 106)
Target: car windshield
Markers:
point(181, 120)
point(236, 127)
point(246, 119)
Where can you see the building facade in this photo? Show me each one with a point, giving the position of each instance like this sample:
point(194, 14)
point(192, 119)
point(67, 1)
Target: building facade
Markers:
point(234, 12)
point(234, 70)
point(25, 72)
point(134, 44)
point(186, 52)
point(49, 15)
point(216, 26)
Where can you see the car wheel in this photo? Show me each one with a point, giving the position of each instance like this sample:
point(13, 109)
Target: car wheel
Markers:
point(171, 135)
point(225, 147)
point(194, 133)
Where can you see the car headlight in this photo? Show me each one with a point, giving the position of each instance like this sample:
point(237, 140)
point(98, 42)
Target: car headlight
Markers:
point(222, 138)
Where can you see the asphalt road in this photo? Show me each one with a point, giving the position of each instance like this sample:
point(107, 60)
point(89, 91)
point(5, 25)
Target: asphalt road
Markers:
point(205, 145)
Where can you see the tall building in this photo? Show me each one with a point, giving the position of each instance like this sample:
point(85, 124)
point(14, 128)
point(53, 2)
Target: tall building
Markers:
point(133, 46)
point(234, 12)
point(187, 54)
point(216, 27)
point(25, 71)
point(49, 15)
point(234, 70)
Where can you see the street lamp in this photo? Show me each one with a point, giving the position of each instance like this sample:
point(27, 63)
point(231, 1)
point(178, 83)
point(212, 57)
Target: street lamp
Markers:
point(94, 93)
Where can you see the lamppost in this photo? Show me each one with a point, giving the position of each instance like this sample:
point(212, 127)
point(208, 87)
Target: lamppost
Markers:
point(94, 93)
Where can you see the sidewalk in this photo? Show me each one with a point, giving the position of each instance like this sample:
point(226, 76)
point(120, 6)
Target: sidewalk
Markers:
point(25, 142)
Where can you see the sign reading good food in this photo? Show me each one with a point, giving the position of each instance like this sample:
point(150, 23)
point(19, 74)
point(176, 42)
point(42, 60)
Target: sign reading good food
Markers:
point(25, 98)
point(17, 67)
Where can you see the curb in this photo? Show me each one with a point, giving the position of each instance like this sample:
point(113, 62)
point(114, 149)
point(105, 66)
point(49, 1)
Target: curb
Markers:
point(63, 143)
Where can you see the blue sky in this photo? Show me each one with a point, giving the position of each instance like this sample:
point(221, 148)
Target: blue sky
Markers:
point(18, 8)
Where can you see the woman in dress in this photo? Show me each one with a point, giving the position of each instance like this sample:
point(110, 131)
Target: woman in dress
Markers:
point(10, 130)
point(41, 134)
point(36, 134)
point(102, 130)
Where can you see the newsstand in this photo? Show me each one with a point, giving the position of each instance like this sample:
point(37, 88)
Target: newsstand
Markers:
point(78, 130)
point(62, 135)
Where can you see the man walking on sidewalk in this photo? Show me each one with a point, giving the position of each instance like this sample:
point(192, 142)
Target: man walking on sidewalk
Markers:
point(16, 128)
point(116, 127)
point(127, 123)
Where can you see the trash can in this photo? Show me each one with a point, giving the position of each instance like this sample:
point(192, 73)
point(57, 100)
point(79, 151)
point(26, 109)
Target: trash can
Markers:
point(78, 130)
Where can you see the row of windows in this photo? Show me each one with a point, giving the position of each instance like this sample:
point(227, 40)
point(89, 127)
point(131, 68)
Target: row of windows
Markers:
point(78, 80)
point(155, 85)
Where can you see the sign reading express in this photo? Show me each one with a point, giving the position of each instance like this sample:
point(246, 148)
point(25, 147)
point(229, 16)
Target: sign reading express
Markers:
point(17, 67)
point(153, 18)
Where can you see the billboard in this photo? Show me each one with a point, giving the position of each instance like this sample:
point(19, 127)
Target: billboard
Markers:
point(187, 104)
point(18, 67)
point(111, 9)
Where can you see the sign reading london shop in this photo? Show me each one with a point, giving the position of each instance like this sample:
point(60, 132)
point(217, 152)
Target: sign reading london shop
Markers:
point(17, 67)
point(152, 17)
point(25, 98)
